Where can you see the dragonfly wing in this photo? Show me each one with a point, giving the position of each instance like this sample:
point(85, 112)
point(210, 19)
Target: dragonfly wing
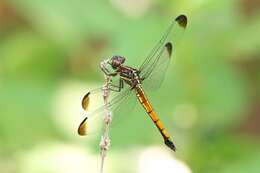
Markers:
point(155, 77)
point(121, 112)
point(93, 105)
point(153, 69)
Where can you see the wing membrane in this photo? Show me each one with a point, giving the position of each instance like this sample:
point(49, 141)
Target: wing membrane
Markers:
point(93, 104)
point(156, 63)
point(156, 75)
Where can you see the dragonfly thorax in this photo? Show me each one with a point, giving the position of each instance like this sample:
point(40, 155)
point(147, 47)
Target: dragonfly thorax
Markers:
point(129, 75)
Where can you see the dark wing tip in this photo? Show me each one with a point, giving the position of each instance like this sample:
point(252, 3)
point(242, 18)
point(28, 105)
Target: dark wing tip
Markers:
point(182, 20)
point(82, 130)
point(85, 101)
point(170, 144)
point(169, 48)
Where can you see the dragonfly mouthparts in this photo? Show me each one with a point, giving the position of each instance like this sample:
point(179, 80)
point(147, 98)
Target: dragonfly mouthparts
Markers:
point(170, 144)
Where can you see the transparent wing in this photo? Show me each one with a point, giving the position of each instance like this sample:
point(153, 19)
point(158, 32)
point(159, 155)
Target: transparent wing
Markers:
point(156, 63)
point(155, 77)
point(124, 110)
point(93, 105)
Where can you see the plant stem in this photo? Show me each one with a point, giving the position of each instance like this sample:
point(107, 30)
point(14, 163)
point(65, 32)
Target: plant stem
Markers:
point(105, 141)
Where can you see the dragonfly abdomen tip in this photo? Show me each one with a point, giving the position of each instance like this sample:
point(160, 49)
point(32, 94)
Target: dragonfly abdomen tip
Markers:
point(170, 144)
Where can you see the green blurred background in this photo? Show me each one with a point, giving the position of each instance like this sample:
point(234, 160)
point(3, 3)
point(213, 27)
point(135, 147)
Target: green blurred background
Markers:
point(49, 56)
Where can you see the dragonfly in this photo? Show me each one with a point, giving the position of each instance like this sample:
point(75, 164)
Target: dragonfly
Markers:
point(133, 82)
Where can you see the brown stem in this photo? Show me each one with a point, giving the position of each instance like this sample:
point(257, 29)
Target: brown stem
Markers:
point(105, 141)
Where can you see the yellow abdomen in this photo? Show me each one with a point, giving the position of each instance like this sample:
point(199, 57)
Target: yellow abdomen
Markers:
point(150, 111)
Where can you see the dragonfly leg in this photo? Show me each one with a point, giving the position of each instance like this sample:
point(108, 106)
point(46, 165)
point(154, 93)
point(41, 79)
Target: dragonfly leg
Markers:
point(108, 73)
point(103, 66)
point(118, 87)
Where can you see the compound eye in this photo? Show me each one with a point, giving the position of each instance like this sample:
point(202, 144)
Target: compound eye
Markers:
point(121, 59)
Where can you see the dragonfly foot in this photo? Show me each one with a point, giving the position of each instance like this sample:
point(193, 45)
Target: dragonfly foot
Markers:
point(170, 144)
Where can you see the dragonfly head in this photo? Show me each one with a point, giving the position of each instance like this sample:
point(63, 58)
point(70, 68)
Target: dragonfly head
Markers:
point(116, 61)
